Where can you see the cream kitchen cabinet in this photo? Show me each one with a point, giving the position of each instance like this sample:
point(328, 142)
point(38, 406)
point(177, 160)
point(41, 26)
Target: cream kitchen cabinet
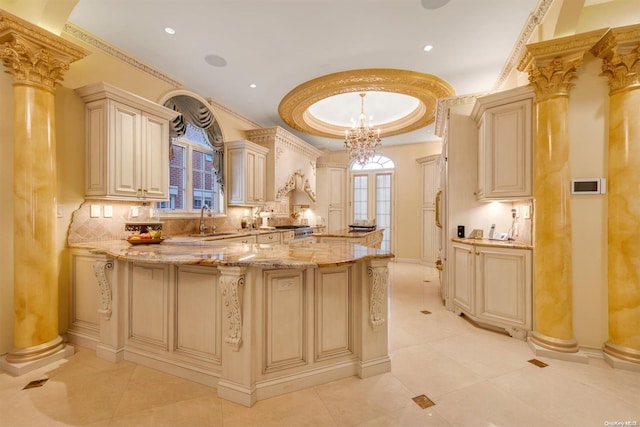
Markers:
point(430, 221)
point(271, 238)
point(493, 286)
point(332, 200)
point(246, 173)
point(127, 145)
point(505, 136)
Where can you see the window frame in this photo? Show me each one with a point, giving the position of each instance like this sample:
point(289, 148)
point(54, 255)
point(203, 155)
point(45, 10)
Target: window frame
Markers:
point(191, 146)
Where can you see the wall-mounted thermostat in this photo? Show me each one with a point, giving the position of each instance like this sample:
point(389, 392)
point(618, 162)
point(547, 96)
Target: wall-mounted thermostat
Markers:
point(589, 186)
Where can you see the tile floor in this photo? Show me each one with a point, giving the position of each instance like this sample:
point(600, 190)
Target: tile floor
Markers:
point(475, 377)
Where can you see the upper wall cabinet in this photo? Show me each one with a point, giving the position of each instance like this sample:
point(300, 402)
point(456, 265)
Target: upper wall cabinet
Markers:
point(505, 136)
point(247, 172)
point(127, 145)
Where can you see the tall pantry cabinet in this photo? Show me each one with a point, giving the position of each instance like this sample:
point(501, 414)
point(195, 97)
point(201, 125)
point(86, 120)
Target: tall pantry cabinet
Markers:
point(332, 200)
point(430, 204)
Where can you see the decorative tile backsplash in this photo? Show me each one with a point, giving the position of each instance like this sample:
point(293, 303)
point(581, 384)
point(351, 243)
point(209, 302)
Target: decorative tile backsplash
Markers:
point(84, 228)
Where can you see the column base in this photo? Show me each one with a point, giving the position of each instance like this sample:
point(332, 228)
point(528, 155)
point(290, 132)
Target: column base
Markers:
point(577, 356)
point(20, 368)
point(555, 344)
point(621, 357)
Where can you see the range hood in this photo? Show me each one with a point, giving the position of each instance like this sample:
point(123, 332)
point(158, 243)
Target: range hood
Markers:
point(291, 164)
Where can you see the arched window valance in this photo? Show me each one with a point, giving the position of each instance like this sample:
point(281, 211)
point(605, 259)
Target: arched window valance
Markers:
point(199, 115)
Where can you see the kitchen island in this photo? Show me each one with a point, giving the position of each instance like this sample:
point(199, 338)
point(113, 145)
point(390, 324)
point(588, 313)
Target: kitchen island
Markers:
point(253, 320)
point(365, 237)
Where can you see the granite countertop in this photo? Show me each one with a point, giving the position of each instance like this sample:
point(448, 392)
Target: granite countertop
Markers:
point(207, 252)
point(346, 232)
point(514, 244)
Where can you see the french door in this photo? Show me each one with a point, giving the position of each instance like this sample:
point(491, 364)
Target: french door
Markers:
point(372, 197)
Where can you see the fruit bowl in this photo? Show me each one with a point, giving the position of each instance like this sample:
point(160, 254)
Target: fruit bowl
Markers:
point(140, 241)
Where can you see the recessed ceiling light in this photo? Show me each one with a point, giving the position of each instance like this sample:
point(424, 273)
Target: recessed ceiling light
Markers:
point(434, 4)
point(428, 48)
point(169, 30)
point(253, 86)
point(215, 60)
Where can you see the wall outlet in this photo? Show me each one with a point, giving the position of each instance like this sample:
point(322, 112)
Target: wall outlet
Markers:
point(95, 211)
point(108, 211)
point(526, 212)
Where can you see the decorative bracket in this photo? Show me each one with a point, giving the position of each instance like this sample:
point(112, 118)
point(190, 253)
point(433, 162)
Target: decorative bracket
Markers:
point(232, 284)
point(379, 279)
point(296, 181)
point(99, 268)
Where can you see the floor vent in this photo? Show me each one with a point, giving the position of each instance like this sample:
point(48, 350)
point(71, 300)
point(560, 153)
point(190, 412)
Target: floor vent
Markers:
point(538, 363)
point(423, 401)
point(425, 312)
point(36, 383)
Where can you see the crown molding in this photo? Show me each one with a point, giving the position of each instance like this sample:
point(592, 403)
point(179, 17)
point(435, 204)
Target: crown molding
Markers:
point(535, 18)
point(443, 106)
point(278, 134)
point(101, 45)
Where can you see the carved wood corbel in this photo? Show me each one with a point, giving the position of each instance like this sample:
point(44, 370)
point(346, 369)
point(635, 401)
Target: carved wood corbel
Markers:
point(99, 268)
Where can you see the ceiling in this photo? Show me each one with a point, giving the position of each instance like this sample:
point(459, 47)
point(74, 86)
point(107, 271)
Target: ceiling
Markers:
point(220, 47)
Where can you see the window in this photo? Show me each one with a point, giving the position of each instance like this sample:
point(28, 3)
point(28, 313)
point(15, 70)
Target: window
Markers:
point(371, 192)
point(192, 180)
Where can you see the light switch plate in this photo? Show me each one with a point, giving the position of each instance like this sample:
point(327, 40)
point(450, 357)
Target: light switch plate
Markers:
point(108, 211)
point(95, 211)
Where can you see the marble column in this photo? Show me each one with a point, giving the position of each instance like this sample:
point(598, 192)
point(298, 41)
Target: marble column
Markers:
point(620, 53)
point(37, 60)
point(552, 66)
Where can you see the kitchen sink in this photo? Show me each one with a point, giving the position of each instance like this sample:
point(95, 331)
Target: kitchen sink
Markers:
point(219, 233)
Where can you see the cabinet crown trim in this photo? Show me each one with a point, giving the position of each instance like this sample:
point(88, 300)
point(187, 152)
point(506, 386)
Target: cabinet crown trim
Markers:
point(496, 99)
point(102, 90)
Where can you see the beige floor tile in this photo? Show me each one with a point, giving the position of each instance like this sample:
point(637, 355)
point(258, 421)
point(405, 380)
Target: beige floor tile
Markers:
point(300, 408)
point(475, 377)
point(198, 412)
point(572, 401)
point(483, 404)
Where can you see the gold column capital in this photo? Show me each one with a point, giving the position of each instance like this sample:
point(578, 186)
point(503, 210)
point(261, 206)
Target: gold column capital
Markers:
point(619, 49)
point(33, 55)
point(552, 64)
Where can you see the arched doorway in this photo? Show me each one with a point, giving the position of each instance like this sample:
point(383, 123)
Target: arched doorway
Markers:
point(372, 194)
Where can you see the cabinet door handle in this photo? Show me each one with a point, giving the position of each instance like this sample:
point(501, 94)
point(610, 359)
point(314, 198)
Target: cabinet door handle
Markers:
point(438, 197)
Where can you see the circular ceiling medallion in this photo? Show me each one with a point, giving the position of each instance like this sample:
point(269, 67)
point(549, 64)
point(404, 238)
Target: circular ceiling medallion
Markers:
point(400, 101)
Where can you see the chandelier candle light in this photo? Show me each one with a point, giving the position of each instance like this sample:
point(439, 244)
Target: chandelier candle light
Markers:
point(361, 141)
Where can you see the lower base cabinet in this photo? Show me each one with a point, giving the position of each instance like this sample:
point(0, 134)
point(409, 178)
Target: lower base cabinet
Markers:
point(493, 286)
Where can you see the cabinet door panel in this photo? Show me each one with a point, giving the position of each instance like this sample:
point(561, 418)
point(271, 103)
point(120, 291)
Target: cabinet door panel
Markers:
point(198, 312)
point(156, 158)
point(333, 313)
point(148, 296)
point(429, 244)
point(504, 286)
point(285, 319)
point(463, 277)
point(126, 151)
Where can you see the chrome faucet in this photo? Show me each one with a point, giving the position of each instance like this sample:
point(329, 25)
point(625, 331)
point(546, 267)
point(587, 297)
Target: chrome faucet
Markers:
point(201, 227)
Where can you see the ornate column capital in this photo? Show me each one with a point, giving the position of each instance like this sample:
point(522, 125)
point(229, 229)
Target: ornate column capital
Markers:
point(552, 64)
point(620, 53)
point(33, 55)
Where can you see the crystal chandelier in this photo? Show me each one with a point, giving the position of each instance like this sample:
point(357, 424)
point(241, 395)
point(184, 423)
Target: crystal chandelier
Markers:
point(361, 141)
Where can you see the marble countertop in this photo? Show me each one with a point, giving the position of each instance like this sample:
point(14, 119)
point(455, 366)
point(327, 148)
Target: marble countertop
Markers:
point(514, 244)
point(208, 252)
point(346, 232)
